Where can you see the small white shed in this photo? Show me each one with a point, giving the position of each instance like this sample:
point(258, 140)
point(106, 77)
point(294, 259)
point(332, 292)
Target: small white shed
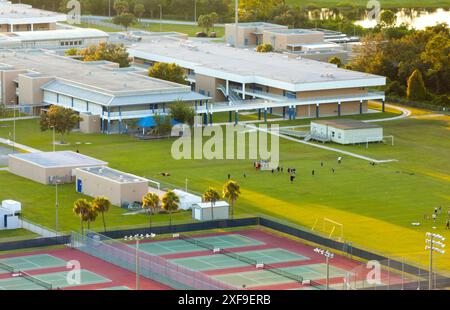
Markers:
point(187, 200)
point(204, 212)
point(346, 131)
point(9, 214)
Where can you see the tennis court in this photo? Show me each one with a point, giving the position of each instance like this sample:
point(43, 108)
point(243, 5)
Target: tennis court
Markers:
point(220, 261)
point(55, 279)
point(115, 288)
point(265, 277)
point(32, 262)
point(179, 246)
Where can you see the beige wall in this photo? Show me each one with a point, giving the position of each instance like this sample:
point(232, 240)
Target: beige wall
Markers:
point(332, 92)
point(8, 86)
point(27, 170)
point(209, 84)
point(90, 123)
point(30, 92)
point(118, 193)
point(280, 41)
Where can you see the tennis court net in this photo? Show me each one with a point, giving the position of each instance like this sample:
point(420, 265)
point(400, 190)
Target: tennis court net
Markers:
point(283, 273)
point(44, 284)
point(197, 242)
point(239, 257)
point(6, 267)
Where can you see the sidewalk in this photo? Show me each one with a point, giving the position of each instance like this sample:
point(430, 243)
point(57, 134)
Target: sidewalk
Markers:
point(19, 146)
point(21, 118)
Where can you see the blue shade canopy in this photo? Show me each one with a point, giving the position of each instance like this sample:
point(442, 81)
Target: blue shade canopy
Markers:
point(148, 122)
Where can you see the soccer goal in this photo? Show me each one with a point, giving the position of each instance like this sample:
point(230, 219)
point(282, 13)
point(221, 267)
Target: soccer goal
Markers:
point(333, 229)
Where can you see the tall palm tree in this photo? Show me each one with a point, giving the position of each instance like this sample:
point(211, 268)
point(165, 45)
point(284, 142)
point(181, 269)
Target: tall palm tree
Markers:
point(91, 216)
point(81, 208)
point(170, 202)
point(102, 205)
point(150, 202)
point(212, 196)
point(231, 192)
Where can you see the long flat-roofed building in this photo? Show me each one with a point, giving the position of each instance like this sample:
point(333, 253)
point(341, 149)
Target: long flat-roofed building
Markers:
point(23, 17)
point(241, 79)
point(102, 90)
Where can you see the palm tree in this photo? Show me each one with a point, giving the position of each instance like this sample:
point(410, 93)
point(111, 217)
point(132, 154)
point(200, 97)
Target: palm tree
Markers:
point(212, 196)
point(91, 216)
point(170, 202)
point(102, 205)
point(150, 202)
point(231, 192)
point(81, 208)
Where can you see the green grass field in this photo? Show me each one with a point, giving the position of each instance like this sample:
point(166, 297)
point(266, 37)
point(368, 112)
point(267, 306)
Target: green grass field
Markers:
point(16, 234)
point(376, 205)
point(363, 3)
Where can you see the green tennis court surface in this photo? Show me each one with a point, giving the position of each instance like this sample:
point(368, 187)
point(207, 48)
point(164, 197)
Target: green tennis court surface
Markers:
point(32, 262)
point(220, 261)
point(181, 246)
point(57, 279)
point(115, 288)
point(264, 277)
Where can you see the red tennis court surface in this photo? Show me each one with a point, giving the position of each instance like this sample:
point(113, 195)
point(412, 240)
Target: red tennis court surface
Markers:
point(97, 274)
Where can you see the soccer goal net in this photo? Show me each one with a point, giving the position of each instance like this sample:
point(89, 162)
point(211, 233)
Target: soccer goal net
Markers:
point(329, 227)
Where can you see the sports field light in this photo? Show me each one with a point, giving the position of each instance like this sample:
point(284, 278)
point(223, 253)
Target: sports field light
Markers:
point(138, 238)
point(328, 255)
point(433, 243)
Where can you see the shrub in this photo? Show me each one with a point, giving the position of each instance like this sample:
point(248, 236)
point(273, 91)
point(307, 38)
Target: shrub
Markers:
point(264, 48)
point(395, 88)
point(416, 88)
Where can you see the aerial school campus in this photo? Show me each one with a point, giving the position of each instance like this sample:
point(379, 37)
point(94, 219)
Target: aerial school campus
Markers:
point(137, 159)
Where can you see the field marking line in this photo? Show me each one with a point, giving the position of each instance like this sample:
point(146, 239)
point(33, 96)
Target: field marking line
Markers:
point(326, 147)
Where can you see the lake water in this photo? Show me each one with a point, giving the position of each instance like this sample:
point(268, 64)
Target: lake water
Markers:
point(414, 18)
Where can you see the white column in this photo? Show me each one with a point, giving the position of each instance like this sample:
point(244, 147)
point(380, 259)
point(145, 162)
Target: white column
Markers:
point(227, 87)
point(243, 91)
point(11, 28)
point(32, 27)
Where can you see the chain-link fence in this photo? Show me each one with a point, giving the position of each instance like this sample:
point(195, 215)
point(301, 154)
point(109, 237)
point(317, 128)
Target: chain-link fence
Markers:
point(150, 266)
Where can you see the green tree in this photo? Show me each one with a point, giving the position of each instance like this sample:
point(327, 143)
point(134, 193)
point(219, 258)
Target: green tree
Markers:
point(62, 119)
point(91, 216)
point(182, 112)
point(416, 88)
point(168, 72)
point(231, 192)
point(139, 10)
point(214, 19)
point(163, 125)
point(335, 60)
point(107, 51)
point(121, 7)
point(212, 196)
point(170, 203)
point(124, 19)
point(436, 56)
point(81, 208)
point(102, 205)
point(71, 52)
point(205, 22)
point(150, 202)
point(387, 19)
point(264, 48)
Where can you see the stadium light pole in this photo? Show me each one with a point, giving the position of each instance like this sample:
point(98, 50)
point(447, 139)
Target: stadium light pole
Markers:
point(160, 17)
point(138, 238)
point(328, 255)
point(236, 21)
point(195, 10)
point(433, 243)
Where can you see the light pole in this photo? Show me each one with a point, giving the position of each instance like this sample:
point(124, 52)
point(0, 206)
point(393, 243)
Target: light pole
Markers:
point(138, 238)
point(328, 255)
point(433, 243)
point(54, 142)
point(13, 102)
point(236, 21)
point(195, 10)
point(109, 8)
point(56, 204)
point(160, 17)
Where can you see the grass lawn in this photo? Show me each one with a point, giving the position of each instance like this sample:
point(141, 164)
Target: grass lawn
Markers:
point(16, 234)
point(363, 3)
point(105, 29)
point(376, 204)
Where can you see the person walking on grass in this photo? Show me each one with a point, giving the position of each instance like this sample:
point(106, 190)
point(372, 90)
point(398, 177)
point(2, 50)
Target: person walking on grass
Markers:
point(447, 225)
point(313, 172)
point(332, 169)
point(434, 217)
point(339, 160)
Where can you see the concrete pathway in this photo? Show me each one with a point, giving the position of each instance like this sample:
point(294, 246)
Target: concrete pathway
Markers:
point(4, 169)
point(21, 118)
point(19, 146)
